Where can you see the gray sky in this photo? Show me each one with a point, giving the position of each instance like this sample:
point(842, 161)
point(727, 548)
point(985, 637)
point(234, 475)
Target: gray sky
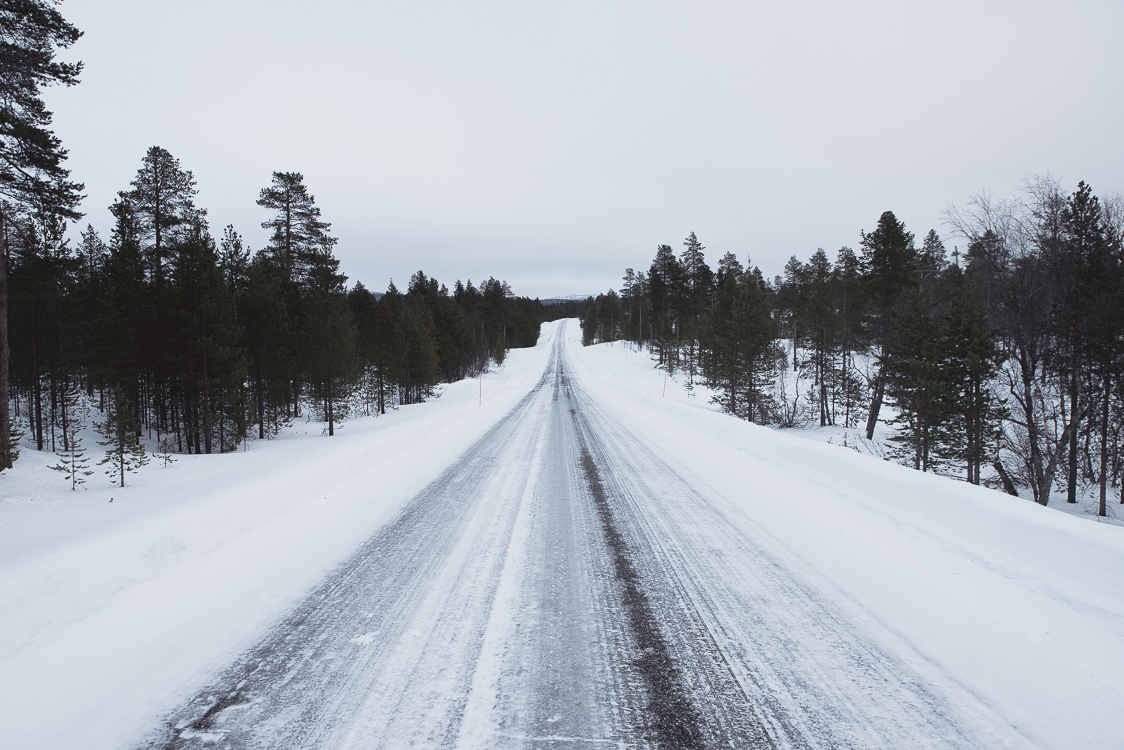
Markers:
point(555, 144)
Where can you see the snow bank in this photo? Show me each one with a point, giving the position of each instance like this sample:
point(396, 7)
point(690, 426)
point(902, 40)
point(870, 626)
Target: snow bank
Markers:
point(1022, 605)
point(118, 603)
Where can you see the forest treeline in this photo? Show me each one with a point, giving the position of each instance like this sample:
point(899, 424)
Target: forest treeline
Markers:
point(1006, 355)
point(200, 344)
point(191, 340)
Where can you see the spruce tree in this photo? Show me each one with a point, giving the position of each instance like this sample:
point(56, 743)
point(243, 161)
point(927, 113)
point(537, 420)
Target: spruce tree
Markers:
point(973, 363)
point(1076, 262)
point(890, 268)
point(918, 380)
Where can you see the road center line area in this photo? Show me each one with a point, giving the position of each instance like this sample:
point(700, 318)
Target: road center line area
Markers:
point(561, 585)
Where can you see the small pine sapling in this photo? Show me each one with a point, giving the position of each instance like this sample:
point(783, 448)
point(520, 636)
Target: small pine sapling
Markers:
point(164, 452)
point(12, 450)
point(73, 462)
point(124, 452)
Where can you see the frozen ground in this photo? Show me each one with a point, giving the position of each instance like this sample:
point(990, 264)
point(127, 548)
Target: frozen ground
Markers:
point(597, 562)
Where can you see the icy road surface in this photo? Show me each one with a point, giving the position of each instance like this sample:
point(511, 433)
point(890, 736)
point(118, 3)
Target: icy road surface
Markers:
point(563, 586)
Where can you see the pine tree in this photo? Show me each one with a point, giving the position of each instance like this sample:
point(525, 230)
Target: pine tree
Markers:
point(666, 287)
point(722, 366)
point(298, 232)
point(631, 297)
point(124, 451)
point(331, 359)
point(165, 451)
point(125, 306)
point(270, 337)
point(234, 260)
point(743, 342)
point(162, 199)
point(203, 344)
point(698, 281)
point(821, 323)
point(387, 348)
point(32, 178)
point(420, 372)
point(850, 303)
point(792, 302)
point(72, 460)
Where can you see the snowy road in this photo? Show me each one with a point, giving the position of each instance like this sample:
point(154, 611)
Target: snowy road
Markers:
point(563, 585)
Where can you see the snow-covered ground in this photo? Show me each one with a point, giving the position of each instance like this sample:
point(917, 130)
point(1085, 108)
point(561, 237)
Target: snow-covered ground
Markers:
point(115, 612)
point(114, 602)
point(1021, 604)
point(796, 386)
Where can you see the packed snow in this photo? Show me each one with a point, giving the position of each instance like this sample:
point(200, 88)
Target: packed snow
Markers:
point(120, 603)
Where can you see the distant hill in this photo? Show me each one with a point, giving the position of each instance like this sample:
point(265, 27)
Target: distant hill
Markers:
point(566, 298)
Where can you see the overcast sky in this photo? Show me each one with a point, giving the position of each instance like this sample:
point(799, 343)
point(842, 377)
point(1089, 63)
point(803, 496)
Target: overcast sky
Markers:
point(555, 144)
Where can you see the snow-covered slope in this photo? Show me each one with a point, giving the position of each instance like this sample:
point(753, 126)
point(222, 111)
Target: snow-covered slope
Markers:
point(1021, 604)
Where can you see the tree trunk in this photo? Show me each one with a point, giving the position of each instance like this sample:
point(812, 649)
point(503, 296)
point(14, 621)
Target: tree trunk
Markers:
point(1071, 485)
point(875, 405)
point(36, 386)
point(917, 444)
point(1101, 509)
point(382, 393)
point(970, 431)
point(331, 419)
point(794, 332)
point(1063, 443)
point(121, 427)
point(1038, 479)
point(206, 409)
point(261, 405)
point(1004, 477)
point(6, 447)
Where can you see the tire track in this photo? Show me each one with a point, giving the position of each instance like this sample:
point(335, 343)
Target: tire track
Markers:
point(764, 658)
point(364, 631)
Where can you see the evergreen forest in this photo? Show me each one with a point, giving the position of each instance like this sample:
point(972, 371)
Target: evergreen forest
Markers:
point(1001, 360)
point(210, 343)
point(167, 334)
